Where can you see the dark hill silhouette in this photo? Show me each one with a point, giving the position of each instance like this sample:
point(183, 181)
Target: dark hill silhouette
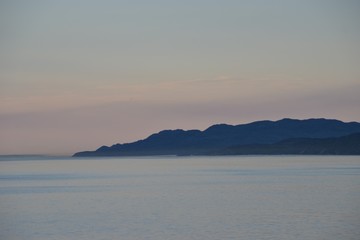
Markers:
point(222, 136)
point(346, 145)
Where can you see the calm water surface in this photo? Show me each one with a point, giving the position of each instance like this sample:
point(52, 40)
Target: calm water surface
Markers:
point(180, 198)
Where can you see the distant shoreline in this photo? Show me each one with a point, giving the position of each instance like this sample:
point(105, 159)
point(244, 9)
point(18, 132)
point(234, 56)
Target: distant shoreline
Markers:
point(284, 137)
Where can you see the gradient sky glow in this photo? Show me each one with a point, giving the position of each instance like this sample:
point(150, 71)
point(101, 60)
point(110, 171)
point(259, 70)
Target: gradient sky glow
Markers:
point(78, 74)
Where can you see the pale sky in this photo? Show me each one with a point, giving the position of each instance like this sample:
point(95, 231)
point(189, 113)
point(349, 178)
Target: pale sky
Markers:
point(78, 74)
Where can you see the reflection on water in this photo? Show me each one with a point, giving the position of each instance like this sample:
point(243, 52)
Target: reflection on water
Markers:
point(181, 198)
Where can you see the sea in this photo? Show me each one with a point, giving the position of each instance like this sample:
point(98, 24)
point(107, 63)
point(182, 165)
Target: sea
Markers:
point(180, 198)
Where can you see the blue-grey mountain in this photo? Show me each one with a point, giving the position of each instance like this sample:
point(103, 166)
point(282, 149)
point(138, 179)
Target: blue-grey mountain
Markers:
point(346, 145)
point(225, 139)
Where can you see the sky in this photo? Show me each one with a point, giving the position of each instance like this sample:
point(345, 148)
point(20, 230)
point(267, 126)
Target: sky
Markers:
point(79, 74)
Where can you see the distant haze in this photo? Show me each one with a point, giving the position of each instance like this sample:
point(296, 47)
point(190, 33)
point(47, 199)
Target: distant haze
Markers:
point(76, 75)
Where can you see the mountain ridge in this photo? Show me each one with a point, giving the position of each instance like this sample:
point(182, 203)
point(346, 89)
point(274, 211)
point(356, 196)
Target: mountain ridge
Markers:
point(345, 145)
point(221, 136)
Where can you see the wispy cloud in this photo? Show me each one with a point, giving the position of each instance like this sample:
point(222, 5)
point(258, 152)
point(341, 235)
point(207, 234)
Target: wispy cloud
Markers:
point(217, 89)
